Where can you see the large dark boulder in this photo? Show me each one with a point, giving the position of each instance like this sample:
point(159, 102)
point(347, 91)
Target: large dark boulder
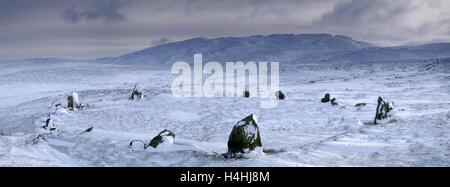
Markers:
point(244, 137)
point(165, 136)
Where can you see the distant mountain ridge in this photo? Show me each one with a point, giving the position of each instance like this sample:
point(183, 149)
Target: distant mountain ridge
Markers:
point(283, 48)
point(254, 48)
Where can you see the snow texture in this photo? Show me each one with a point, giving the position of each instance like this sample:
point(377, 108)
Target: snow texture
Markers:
point(300, 131)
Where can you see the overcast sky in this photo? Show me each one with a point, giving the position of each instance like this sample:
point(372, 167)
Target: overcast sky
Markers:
point(84, 29)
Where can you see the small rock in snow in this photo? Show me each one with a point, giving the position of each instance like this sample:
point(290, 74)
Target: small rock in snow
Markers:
point(280, 95)
point(165, 136)
point(326, 99)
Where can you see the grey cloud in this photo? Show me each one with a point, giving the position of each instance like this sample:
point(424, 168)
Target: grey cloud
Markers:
point(108, 10)
point(397, 22)
point(82, 25)
point(160, 41)
point(356, 12)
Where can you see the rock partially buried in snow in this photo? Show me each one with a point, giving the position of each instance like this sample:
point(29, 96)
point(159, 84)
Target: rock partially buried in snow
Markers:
point(49, 125)
point(246, 94)
point(244, 137)
point(87, 130)
point(333, 101)
point(73, 102)
point(165, 137)
point(326, 99)
point(280, 95)
point(360, 104)
point(36, 140)
point(136, 93)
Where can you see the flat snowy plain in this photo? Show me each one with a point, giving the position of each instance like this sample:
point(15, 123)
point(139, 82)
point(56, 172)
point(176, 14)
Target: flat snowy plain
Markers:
point(301, 130)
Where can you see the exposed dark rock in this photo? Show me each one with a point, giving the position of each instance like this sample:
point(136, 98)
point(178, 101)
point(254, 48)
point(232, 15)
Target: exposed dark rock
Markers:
point(280, 95)
point(246, 93)
point(70, 101)
point(87, 130)
point(165, 135)
point(244, 137)
point(326, 99)
point(73, 101)
point(333, 101)
point(360, 104)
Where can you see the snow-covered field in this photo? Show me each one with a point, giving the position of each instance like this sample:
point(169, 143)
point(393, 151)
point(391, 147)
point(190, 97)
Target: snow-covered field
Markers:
point(302, 130)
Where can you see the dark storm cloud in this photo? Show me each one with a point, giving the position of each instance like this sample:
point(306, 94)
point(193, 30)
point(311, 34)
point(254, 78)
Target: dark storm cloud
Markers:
point(96, 28)
point(396, 21)
point(108, 10)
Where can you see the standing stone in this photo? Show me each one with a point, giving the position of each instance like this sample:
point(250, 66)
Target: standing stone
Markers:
point(165, 136)
point(72, 101)
point(326, 99)
point(244, 137)
point(280, 95)
point(49, 125)
point(383, 108)
point(246, 93)
point(136, 93)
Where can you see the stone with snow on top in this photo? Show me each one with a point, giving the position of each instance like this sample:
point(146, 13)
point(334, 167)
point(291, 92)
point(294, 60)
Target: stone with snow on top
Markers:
point(244, 137)
point(49, 125)
point(280, 95)
point(166, 137)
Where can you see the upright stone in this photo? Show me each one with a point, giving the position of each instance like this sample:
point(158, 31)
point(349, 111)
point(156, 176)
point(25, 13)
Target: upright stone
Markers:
point(73, 101)
point(383, 108)
point(136, 93)
point(244, 137)
point(333, 101)
point(49, 125)
point(280, 95)
point(246, 93)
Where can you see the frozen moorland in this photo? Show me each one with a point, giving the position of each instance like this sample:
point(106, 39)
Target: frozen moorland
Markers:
point(300, 131)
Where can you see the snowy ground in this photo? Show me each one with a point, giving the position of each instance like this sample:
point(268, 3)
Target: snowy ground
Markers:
point(302, 130)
